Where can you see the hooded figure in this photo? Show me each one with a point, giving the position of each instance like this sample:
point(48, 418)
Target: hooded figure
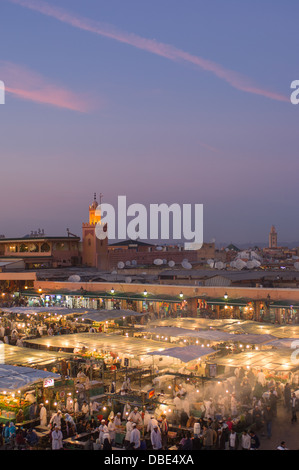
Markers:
point(129, 429)
point(156, 438)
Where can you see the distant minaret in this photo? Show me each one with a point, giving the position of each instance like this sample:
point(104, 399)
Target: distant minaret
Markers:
point(273, 238)
point(94, 250)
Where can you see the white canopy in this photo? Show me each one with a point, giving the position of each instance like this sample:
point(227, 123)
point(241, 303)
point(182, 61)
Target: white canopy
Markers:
point(283, 343)
point(14, 378)
point(118, 344)
point(90, 314)
point(186, 354)
point(210, 335)
point(103, 315)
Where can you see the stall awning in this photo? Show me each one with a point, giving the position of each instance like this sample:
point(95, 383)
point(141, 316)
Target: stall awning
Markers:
point(285, 304)
point(103, 315)
point(185, 354)
point(271, 360)
point(230, 302)
point(284, 343)
point(210, 335)
point(14, 378)
point(94, 315)
point(119, 344)
point(108, 295)
point(20, 356)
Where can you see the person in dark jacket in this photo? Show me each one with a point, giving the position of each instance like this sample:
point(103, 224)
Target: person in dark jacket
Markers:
point(287, 396)
point(268, 417)
point(255, 442)
point(32, 439)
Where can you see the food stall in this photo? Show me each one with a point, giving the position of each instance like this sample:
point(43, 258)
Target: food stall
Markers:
point(14, 383)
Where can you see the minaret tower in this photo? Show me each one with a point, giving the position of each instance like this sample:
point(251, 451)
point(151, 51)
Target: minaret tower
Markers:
point(94, 250)
point(273, 238)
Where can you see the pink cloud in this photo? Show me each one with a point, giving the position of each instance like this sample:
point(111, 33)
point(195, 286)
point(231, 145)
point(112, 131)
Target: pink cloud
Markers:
point(28, 85)
point(168, 51)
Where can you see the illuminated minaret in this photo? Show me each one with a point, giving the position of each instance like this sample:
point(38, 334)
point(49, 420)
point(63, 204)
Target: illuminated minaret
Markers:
point(273, 238)
point(94, 250)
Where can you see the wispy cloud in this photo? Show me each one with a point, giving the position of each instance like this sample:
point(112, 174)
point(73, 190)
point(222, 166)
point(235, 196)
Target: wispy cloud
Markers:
point(168, 51)
point(26, 84)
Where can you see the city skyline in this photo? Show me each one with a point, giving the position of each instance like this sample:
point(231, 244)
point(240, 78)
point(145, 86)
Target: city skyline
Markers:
point(163, 102)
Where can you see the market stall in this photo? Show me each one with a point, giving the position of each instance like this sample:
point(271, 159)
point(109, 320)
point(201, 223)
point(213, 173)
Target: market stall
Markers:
point(204, 337)
point(277, 363)
point(19, 356)
point(14, 382)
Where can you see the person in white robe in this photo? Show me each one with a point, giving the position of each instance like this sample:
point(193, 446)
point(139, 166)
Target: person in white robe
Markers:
point(156, 439)
point(57, 438)
point(43, 415)
point(135, 437)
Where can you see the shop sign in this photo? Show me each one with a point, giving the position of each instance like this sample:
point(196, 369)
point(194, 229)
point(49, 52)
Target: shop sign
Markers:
point(151, 393)
point(48, 383)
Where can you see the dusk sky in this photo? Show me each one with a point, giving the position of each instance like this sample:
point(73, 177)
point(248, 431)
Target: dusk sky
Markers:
point(164, 101)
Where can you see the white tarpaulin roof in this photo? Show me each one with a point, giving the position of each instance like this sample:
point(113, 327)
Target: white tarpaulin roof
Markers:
point(14, 378)
point(102, 315)
point(45, 310)
point(284, 343)
point(87, 314)
point(279, 361)
point(210, 335)
point(20, 356)
point(194, 323)
point(174, 331)
point(101, 341)
point(185, 354)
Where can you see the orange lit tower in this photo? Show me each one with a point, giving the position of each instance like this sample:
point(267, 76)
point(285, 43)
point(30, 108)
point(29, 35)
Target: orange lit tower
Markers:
point(94, 251)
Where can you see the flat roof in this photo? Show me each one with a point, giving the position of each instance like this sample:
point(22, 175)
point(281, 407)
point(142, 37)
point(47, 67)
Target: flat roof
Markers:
point(34, 239)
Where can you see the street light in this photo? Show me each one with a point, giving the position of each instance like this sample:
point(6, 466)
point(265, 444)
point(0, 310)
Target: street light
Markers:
point(225, 295)
point(112, 291)
point(145, 292)
point(181, 295)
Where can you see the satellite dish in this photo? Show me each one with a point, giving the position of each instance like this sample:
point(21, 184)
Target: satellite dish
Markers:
point(128, 280)
point(158, 262)
point(251, 264)
point(233, 264)
point(134, 262)
point(74, 278)
point(186, 264)
point(219, 265)
point(296, 265)
point(159, 248)
point(128, 263)
point(164, 261)
point(240, 264)
point(120, 265)
point(171, 264)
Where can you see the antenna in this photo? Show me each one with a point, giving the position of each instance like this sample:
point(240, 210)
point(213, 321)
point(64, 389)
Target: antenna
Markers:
point(101, 197)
